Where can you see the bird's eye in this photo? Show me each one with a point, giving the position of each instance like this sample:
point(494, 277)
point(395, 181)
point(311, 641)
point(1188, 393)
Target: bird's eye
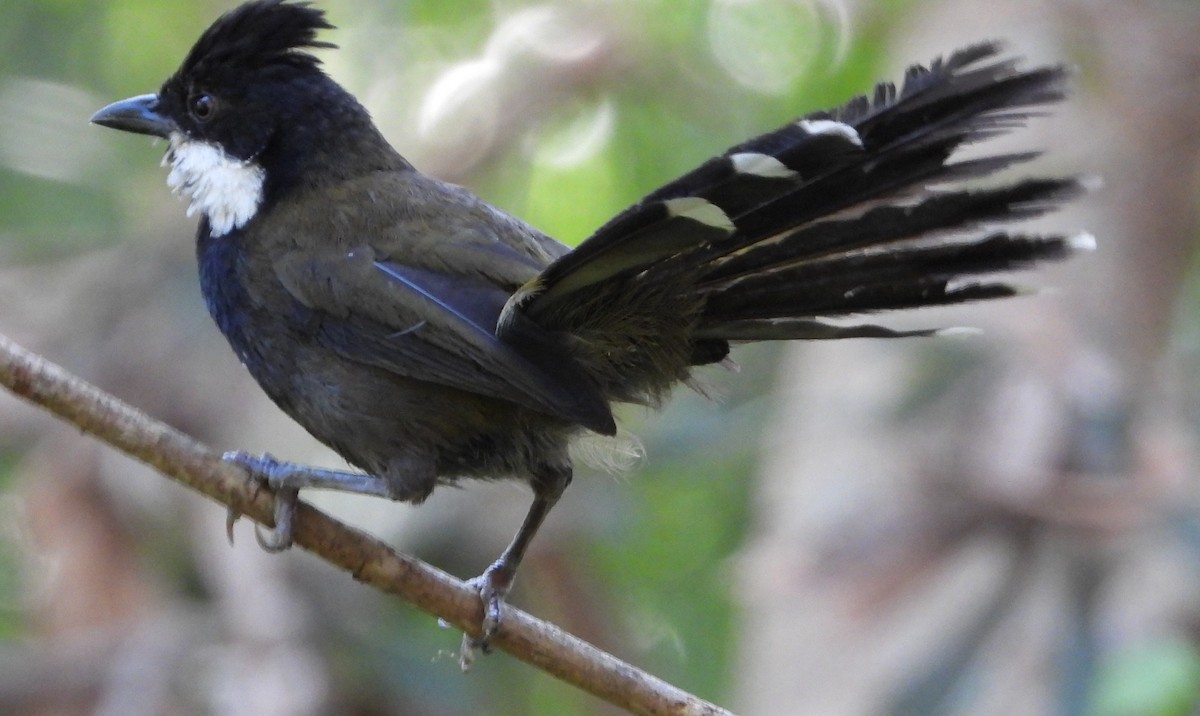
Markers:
point(203, 107)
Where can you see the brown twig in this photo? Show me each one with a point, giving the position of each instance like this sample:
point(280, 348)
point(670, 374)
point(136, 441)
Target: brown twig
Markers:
point(367, 559)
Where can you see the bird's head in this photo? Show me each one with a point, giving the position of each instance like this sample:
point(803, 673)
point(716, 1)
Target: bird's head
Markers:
point(249, 113)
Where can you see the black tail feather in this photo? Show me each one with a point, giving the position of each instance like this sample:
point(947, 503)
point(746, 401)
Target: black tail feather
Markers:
point(890, 223)
point(793, 329)
point(854, 210)
point(880, 280)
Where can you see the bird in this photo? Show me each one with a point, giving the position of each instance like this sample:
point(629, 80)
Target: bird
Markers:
point(429, 337)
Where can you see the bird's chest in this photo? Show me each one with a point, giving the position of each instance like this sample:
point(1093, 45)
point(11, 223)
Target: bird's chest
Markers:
point(266, 327)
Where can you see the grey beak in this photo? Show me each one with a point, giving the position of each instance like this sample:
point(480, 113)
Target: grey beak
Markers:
point(136, 114)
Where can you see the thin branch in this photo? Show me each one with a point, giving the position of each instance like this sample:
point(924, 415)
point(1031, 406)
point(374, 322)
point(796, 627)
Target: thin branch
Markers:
point(367, 559)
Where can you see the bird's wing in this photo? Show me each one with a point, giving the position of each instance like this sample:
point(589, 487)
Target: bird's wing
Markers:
point(439, 327)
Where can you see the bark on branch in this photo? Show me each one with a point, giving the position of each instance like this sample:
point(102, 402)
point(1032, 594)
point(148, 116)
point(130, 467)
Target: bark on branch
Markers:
point(368, 560)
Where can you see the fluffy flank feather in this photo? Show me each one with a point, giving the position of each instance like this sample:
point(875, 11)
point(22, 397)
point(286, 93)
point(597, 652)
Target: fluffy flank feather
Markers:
point(617, 455)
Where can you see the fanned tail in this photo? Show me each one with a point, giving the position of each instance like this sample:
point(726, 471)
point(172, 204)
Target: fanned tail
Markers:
point(856, 210)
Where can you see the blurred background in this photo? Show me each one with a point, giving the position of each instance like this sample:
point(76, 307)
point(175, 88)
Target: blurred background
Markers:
point(1002, 524)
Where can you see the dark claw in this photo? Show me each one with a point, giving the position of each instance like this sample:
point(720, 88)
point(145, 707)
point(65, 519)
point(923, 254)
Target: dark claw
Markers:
point(493, 586)
point(231, 517)
point(265, 469)
point(280, 538)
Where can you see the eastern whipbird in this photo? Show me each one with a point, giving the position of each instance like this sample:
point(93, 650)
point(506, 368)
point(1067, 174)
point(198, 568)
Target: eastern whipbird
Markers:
point(428, 337)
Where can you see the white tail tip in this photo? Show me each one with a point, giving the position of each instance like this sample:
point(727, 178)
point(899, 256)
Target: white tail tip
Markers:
point(1082, 241)
point(958, 332)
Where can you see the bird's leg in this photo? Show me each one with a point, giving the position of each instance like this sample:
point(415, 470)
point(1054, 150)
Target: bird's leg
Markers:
point(497, 580)
point(286, 479)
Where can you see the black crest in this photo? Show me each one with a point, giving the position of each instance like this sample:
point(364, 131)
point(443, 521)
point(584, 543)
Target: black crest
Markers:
point(258, 34)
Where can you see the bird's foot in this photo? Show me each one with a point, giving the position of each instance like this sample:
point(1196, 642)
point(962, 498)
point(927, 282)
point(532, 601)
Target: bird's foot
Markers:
point(265, 469)
point(493, 586)
point(286, 479)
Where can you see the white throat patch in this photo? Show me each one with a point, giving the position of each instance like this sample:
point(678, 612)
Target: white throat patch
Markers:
point(225, 189)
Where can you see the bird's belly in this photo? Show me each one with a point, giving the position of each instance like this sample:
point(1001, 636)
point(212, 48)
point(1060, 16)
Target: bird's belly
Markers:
point(374, 418)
